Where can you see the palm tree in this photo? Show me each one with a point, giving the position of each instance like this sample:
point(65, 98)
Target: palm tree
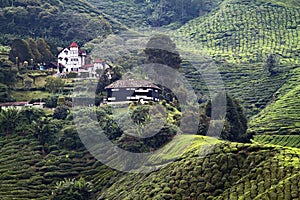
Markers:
point(8, 120)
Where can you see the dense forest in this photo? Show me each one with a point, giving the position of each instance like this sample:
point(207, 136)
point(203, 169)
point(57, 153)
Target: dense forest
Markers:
point(58, 22)
point(66, 143)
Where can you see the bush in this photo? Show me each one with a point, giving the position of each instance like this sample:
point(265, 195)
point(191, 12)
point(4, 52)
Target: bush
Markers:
point(73, 189)
point(61, 112)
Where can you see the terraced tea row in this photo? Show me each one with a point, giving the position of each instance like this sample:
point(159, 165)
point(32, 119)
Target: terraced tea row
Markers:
point(248, 83)
point(26, 174)
point(282, 140)
point(245, 31)
point(220, 171)
point(281, 116)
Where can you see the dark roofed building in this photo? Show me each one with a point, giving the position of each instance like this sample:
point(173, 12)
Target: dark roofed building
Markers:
point(126, 91)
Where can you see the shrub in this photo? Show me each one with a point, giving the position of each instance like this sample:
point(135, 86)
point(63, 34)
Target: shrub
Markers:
point(73, 189)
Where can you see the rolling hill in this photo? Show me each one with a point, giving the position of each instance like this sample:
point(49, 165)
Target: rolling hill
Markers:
point(247, 31)
point(240, 36)
point(209, 169)
point(155, 13)
point(282, 115)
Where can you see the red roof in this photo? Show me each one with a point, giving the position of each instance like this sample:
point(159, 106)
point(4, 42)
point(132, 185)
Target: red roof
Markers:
point(74, 44)
point(97, 60)
point(87, 66)
point(14, 104)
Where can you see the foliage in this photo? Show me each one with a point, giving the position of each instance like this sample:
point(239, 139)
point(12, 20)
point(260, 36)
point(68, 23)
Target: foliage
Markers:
point(35, 18)
point(51, 102)
point(69, 189)
point(30, 51)
point(270, 63)
point(8, 79)
point(235, 129)
point(155, 13)
point(20, 51)
point(54, 84)
point(61, 112)
point(9, 120)
point(162, 50)
point(69, 139)
point(105, 80)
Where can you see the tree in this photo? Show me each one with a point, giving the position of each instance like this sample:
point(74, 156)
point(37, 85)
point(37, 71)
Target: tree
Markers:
point(4, 3)
point(37, 57)
point(54, 84)
point(28, 120)
point(9, 120)
point(108, 76)
point(270, 64)
point(20, 51)
point(7, 73)
point(162, 50)
point(235, 128)
point(44, 50)
point(4, 93)
point(61, 112)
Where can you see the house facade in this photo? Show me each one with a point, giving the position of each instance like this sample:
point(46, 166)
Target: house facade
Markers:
point(74, 59)
point(126, 91)
point(71, 59)
point(92, 69)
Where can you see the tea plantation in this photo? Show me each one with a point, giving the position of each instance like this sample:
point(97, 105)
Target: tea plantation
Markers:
point(209, 169)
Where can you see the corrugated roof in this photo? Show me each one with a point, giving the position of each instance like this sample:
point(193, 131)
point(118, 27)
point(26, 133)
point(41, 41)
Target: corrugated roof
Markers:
point(132, 84)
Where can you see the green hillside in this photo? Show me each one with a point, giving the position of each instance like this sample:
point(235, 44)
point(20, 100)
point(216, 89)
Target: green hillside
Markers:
point(240, 36)
point(224, 171)
point(281, 140)
point(209, 169)
point(155, 13)
point(58, 21)
point(247, 31)
point(27, 174)
point(254, 45)
point(282, 115)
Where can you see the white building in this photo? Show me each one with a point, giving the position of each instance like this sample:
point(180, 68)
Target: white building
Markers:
point(71, 59)
point(93, 69)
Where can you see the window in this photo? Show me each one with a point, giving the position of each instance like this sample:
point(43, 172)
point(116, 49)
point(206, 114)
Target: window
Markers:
point(115, 90)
